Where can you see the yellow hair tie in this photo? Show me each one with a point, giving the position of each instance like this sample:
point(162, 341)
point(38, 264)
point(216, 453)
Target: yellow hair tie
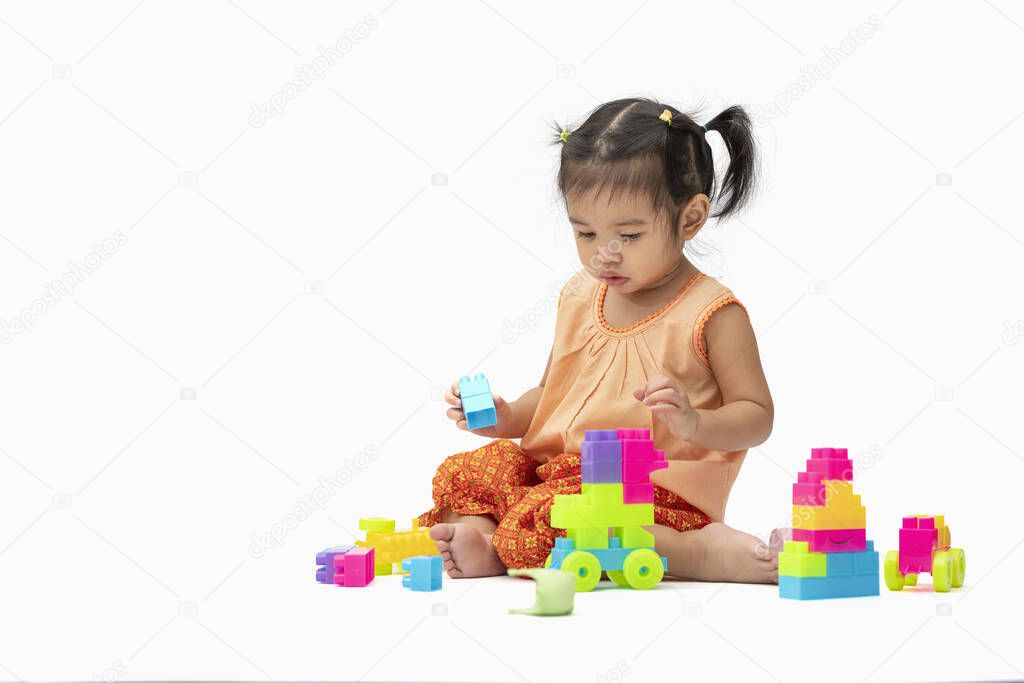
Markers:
point(563, 135)
point(666, 116)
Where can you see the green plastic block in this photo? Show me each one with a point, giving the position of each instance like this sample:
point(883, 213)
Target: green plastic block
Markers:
point(796, 560)
point(589, 538)
point(637, 514)
point(603, 494)
point(635, 537)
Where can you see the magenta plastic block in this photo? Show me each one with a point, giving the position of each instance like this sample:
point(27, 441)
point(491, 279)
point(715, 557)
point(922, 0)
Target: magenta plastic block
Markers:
point(642, 434)
point(832, 463)
point(637, 493)
point(916, 547)
point(639, 471)
point(354, 568)
point(832, 540)
point(809, 494)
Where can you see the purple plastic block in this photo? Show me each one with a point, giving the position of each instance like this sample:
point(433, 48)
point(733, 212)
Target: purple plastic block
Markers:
point(832, 540)
point(638, 493)
point(325, 560)
point(601, 470)
point(601, 443)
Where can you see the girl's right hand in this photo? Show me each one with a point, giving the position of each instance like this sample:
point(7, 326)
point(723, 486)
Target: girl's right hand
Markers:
point(502, 412)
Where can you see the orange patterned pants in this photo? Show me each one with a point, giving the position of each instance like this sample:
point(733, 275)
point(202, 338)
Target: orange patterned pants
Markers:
point(501, 480)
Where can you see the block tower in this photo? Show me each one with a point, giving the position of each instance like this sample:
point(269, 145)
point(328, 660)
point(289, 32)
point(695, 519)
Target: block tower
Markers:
point(616, 495)
point(829, 556)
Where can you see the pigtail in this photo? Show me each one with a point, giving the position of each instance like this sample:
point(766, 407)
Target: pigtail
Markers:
point(734, 126)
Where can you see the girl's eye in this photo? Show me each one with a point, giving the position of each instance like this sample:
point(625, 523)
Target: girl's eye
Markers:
point(631, 237)
point(584, 235)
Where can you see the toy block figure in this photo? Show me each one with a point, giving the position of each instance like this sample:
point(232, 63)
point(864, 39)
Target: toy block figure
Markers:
point(477, 402)
point(354, 568)
point(830, 555)
point(325, 562)
point(925, 549)
point(394, 546)
point(616, 494)
point(424, 573)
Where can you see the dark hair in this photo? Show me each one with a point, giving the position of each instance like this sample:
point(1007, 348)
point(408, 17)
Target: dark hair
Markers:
point(625, 145)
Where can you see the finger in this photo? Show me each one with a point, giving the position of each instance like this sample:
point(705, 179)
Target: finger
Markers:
point(638, 394)
point(670, 396)
point(455, 388)
point(657, 382)
point(455, 414)
point(452, 399)
point(499, 402)
point(461, 424)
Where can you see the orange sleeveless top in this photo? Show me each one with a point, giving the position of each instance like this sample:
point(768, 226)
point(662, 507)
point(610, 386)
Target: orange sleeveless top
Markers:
point(595, 368)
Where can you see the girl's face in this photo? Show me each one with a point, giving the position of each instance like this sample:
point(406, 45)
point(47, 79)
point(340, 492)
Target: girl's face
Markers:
point(623, 242)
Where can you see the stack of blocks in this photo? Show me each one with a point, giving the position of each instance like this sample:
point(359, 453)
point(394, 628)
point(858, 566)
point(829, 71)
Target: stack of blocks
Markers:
point(424, 573)
point(829, 556)
point(477, 402)
point(617, 494)
point(345, 565)
point(394, 546)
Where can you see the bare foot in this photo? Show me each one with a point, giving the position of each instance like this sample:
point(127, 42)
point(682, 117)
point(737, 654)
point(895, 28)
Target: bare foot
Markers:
point(718, 552)
point(466, 551)
point(778, 539)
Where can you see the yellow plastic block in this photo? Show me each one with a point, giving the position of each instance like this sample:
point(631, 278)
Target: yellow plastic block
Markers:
point(813, 517)
point(796, 560)
point(390, 546)
point(840, 492)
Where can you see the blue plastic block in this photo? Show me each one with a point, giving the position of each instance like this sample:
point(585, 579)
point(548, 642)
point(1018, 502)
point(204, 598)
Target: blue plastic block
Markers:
point(477, 402)
point(824, 587)
point(424, 572)
point(611, 558)
point(601, 469)
point(325, 562)
point(865, 562)
point(839, 564)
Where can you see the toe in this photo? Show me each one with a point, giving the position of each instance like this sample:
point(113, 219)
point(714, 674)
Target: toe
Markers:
point(442, 532)
point(443, 546)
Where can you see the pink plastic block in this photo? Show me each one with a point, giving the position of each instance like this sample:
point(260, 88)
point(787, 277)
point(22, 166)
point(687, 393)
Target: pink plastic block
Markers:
point(832, 540)
point(925, 522)
point(808, 477)
point(832, 463)
point(634, 434)
point(637, 449)
point(638, 493)
point(354, 568)
point(808, 494)
point(916, 547)
point(639, 471)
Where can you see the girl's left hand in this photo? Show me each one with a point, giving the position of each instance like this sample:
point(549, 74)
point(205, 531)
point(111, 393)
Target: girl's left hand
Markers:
point(670, 405)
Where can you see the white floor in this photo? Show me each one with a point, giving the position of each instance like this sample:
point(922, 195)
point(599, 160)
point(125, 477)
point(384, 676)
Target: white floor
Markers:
point(88, 623)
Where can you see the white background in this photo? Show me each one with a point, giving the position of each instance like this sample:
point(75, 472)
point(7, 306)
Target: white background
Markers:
point(312, 283)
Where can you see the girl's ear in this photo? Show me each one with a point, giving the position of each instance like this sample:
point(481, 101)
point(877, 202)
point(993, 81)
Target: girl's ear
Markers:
point(694, 216)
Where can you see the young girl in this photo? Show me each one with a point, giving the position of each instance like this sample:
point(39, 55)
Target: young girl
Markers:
point(642, 339)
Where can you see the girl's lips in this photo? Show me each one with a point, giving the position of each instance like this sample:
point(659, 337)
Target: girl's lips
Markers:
point(617, 280)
